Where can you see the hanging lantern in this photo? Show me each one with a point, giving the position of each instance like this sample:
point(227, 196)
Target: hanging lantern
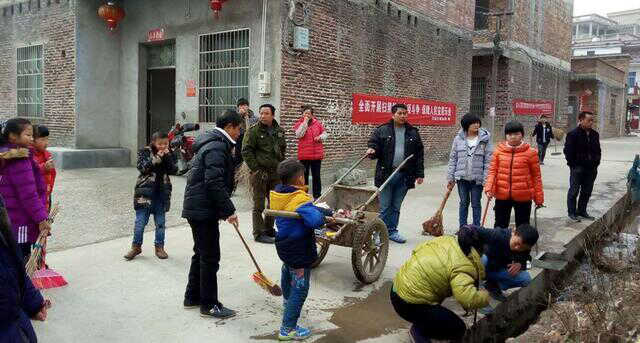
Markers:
point(112, 14)
point(216, 7)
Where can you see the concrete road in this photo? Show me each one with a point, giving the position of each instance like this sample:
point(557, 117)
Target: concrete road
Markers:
point(111, 300)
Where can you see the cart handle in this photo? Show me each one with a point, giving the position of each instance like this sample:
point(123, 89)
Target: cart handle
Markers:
point(295, 215)
point(341, 178)
point(377, 192)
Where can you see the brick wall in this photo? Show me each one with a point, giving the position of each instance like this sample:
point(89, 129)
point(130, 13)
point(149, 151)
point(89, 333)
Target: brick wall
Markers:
point(52, 24)
point(455, 12)
point(358, 48)
point(543, 25)
point(517, 81)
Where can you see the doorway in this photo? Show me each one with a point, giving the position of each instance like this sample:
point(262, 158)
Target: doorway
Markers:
point(161, 100)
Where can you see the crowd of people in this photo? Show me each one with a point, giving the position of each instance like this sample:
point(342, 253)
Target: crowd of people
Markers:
point(510, 174)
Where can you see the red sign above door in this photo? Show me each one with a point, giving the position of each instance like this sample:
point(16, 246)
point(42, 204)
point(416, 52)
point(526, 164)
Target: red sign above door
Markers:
point(532, 107)
point(155, 35)
point(374, 109)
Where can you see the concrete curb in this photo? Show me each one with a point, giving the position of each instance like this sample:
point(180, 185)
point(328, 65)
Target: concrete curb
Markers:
point(523, 307)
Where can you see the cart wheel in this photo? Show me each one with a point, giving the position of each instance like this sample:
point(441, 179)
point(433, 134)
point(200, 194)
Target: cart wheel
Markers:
point(367, 258)
point(323, 248)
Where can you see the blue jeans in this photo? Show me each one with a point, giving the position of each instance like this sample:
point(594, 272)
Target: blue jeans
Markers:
point(295, 287)
point(504, 280)
point(142, 219)
point(470, 193)
point(391, 199)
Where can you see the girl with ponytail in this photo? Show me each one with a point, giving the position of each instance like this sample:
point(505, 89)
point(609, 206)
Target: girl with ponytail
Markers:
point(21, 184)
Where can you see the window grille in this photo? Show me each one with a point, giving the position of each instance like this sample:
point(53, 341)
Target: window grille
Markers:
point(161, 56)
point(478, 93)
point(29, 83)
point(224, 72)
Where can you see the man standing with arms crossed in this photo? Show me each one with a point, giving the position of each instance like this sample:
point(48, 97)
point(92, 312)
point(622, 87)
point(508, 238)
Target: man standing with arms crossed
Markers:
point(391, 143)
point(263, 148)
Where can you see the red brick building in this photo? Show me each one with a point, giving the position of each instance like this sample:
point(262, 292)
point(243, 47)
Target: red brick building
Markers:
point(534, 57)
point(104, 93)
point(598, 86)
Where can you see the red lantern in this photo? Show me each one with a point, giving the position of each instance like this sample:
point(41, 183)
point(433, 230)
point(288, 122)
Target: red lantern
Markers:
point(216, 7)
point(111, 13)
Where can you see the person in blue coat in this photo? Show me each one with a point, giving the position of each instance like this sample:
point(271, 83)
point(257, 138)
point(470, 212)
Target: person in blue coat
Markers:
point(19, 299)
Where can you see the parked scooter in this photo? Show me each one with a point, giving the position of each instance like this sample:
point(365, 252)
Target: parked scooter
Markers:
point(182, 145)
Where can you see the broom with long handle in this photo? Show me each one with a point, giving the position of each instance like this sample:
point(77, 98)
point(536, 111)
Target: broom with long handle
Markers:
point(433, 226)
point(486, 210)
point(258, 277)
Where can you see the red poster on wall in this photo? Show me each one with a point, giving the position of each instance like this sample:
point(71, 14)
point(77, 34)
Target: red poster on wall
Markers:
point(155, 35)
point(191, 88)
point(374, 109)
point(532, 107)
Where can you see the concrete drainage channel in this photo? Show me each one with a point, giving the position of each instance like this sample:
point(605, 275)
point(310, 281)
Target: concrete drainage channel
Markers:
point(522, 308)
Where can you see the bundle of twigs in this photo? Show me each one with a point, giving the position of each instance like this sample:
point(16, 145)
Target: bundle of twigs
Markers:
point(433, 226)
point(36, 260)
point(243, 178)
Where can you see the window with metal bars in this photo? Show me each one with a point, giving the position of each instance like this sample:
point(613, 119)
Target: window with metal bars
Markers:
point(30, 80)
point(478, 93)
point(224, 72)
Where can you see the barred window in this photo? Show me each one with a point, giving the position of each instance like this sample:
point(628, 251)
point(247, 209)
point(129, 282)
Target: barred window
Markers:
point(478, 90)
point(224, 72)
point(30, 70)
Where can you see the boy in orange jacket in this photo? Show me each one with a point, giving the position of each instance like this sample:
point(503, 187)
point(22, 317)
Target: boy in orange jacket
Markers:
point(514, 178)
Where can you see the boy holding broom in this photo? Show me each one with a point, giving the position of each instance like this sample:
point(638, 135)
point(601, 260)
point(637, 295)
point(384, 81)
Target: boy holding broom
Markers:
point(295, 244)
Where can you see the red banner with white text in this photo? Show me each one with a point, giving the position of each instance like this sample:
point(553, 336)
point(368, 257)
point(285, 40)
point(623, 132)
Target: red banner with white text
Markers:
point(532, 107)
point(374, 109)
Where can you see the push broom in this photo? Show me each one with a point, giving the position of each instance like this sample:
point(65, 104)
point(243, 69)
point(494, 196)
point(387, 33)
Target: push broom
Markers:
point(258, 277)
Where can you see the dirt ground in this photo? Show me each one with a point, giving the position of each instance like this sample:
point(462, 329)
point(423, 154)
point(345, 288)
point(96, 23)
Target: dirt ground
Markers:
point(599, 303)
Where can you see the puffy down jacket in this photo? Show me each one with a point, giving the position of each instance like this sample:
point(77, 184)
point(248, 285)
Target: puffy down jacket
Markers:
point(514, 174)
point(439, 269)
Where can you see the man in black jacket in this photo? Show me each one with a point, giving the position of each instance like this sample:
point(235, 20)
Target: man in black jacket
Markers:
point(543, 133)
point(582, 151)
point(206, 202)
point(391, 143)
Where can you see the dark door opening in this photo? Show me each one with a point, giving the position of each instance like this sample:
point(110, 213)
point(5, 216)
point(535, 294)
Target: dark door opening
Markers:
point(161, 100)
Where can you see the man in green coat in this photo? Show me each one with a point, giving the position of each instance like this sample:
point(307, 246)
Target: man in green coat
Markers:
point(263, 148)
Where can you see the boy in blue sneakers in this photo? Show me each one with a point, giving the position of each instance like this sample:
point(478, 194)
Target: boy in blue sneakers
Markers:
point(295, 244)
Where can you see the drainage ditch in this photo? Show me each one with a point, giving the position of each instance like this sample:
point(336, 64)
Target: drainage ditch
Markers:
point(594, 298)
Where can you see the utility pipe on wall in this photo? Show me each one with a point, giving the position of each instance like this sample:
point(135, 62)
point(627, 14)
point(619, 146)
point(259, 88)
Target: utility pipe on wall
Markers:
point(263, 37)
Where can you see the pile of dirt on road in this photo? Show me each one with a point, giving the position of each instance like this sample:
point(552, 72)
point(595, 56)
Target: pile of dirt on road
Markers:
point(599, 303)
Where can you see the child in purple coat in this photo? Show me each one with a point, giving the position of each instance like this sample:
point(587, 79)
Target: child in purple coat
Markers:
point(21, 184)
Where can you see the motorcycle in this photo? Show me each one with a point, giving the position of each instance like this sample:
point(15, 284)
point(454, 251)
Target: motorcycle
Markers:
point(182, 145)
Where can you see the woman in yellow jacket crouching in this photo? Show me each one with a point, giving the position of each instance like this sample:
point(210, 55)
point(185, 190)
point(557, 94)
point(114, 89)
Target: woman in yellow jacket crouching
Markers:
point(443, 267)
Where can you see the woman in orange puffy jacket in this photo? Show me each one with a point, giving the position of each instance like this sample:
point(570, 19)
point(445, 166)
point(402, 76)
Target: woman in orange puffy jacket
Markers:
point(514, 178)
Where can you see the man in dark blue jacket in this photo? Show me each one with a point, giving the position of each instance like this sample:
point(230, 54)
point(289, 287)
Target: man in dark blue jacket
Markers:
point(19, 300)
point(207, 200)
point(583, 154)
point(543, 133)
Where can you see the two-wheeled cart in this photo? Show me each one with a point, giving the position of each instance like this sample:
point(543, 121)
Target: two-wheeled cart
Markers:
point(361, 229)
